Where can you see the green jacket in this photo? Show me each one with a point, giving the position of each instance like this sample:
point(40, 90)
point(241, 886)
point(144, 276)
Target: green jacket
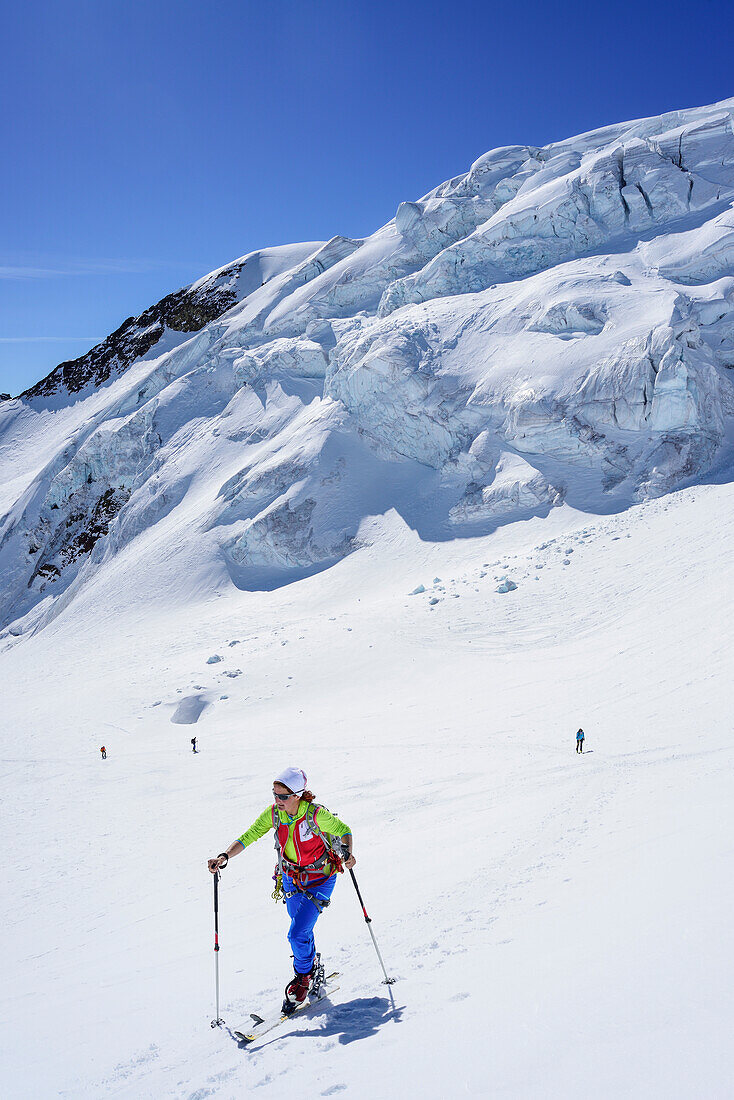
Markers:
point(327, 822)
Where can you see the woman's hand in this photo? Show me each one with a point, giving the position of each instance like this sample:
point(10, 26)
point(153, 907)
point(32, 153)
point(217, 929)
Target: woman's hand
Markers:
point(349, 863)
point(218, 863)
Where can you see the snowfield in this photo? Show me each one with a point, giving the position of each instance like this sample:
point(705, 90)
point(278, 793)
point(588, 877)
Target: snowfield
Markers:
point(558, 925)
point(405, 512)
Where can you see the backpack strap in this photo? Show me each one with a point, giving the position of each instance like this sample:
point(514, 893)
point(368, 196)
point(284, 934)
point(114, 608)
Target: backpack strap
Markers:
point(311, 811)
point(278, 849)
point(332, 844)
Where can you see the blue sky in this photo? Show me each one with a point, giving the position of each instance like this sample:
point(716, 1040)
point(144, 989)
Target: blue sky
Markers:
point(146, 143)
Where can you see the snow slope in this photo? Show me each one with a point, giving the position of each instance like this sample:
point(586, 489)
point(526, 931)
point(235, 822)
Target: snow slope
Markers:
point(559, 925)
point(404, 511)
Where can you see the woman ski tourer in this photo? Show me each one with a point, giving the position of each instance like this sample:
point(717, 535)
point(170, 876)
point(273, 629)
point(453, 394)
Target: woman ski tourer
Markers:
point(312, 845)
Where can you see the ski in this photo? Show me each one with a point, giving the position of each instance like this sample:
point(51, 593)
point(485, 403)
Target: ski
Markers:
point(261, 1025)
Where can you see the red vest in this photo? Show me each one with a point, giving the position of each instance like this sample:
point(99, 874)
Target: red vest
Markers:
point(309, 847)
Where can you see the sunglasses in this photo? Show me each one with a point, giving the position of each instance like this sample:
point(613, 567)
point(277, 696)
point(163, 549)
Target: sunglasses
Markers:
point(282, 797)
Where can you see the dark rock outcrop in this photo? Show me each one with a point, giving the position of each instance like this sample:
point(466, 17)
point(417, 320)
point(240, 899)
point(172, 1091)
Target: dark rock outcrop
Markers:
point(186, 310)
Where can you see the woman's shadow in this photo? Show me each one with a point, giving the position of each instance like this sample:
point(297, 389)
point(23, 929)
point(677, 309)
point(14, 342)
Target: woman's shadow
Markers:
point(350, 1021)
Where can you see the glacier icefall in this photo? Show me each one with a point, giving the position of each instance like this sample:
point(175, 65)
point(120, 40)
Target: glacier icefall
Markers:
point(556, 324)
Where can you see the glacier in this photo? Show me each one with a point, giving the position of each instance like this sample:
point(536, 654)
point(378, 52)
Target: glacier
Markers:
point(554, 325)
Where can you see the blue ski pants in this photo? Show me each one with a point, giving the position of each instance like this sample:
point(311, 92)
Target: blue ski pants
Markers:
point(304, 914)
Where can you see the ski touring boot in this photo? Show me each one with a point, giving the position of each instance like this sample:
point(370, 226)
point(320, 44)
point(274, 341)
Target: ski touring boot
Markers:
point(301, 986)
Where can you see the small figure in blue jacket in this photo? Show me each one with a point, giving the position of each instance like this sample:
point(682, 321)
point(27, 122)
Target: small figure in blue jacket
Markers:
point(580, 741)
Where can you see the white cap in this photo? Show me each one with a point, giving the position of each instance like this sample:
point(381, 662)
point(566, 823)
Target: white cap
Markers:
point(292, 778)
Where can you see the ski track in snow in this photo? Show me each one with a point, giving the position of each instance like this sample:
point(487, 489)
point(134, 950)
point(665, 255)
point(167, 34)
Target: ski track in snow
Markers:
point(565, 933)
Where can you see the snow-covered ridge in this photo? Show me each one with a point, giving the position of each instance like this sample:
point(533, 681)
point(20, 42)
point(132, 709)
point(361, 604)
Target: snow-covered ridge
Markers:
point(186, 310)
point(555, 324)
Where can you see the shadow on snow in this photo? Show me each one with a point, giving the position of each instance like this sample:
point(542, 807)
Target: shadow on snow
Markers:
point(349, 1021)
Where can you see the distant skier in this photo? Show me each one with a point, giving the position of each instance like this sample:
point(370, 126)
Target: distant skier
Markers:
point(193, 744)
point(580, 741)
point(103, 750)
point(308, 839)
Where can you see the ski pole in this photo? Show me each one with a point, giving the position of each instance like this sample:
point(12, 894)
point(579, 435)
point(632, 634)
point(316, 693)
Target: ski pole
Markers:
point(218, 1021)
point(368, 922)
